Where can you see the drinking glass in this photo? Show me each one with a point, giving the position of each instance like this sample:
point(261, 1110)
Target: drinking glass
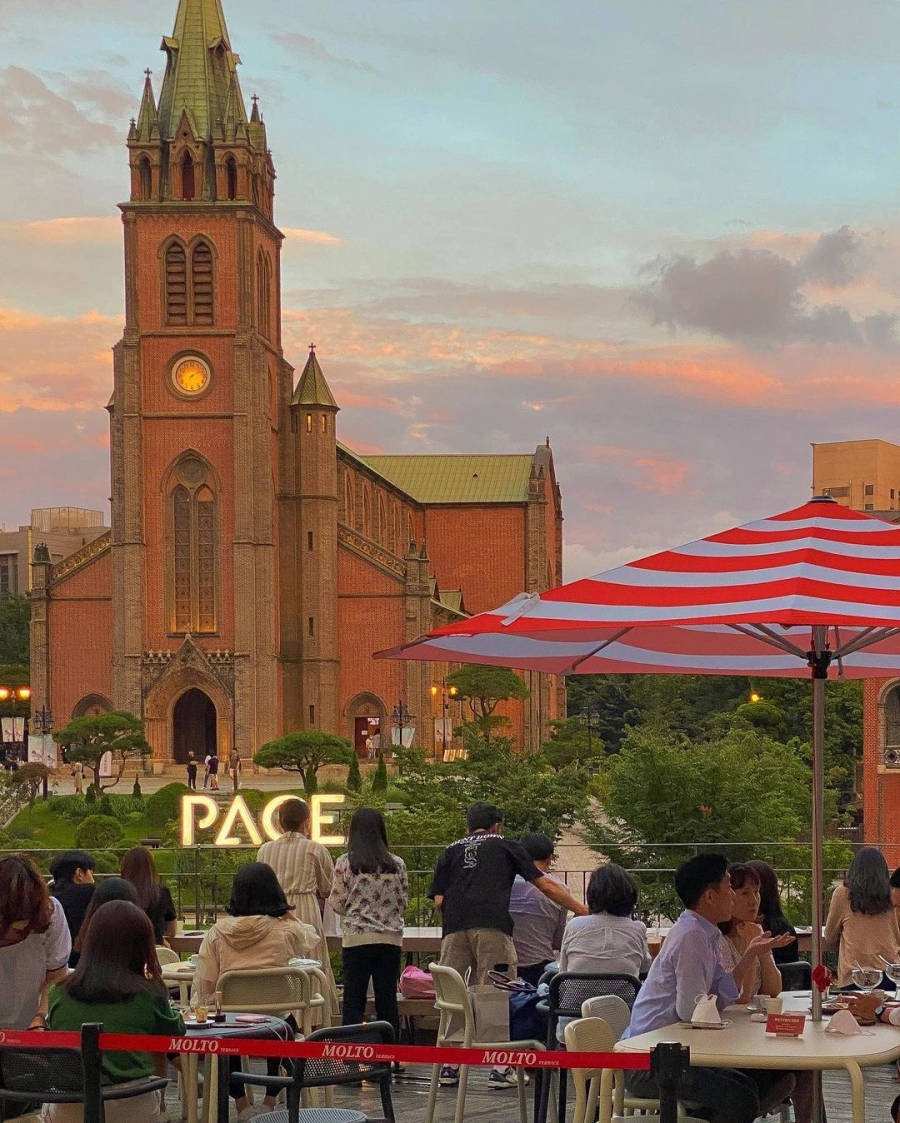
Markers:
point(866, 978)
point(892, 970)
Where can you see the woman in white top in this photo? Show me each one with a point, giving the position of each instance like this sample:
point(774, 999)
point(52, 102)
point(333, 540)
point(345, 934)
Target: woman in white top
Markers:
point(608, 941)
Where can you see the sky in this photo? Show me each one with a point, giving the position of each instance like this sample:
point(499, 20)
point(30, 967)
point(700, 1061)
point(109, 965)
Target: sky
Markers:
point(665, 236)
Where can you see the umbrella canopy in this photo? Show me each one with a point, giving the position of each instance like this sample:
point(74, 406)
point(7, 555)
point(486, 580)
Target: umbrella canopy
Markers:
point(813, 591)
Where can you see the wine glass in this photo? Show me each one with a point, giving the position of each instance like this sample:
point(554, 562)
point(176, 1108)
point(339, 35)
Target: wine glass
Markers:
point(866, 978)
point(892, 970)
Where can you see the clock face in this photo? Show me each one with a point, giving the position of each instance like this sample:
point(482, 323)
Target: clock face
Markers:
point(191, 375)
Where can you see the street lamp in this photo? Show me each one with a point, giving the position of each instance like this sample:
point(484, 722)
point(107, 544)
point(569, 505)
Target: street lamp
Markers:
point(755, 696)
point(400, 716)
point(14, 697)
point(42, 721)
point(446, 692)
point(590, 719)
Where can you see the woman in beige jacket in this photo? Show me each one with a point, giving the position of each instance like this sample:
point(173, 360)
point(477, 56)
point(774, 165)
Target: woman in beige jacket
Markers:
point(259, 932)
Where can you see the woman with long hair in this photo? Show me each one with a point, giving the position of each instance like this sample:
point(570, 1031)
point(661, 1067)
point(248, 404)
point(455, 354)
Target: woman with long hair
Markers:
point(260, 931)
point(861, 918)
point(153, 897)
point(117, 982)
point(109, 889)
point(371, 892)
point(771, 918)
point(34, 944)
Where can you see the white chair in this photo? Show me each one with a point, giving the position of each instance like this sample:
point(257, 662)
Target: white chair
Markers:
point(602, 1087)
point(272, 990)
point(166, 955)
point(455, 1004)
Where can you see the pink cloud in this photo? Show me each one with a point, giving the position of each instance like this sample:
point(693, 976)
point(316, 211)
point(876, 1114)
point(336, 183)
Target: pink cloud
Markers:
point(66, 231)
point(311, 237)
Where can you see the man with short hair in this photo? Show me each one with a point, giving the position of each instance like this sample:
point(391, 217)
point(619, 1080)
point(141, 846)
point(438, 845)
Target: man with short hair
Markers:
point(73, 885)
point(691, 964)
point(306, 872)
point(538, 922)
point(471, 887)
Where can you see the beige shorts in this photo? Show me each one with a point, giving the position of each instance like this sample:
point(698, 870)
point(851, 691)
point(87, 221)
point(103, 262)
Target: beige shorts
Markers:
point(478, 949)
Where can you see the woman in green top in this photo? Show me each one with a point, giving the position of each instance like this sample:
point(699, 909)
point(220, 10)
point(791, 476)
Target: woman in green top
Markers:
point(117, 982)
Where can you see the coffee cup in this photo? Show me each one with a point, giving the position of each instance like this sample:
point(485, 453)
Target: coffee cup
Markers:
point(773, 1005)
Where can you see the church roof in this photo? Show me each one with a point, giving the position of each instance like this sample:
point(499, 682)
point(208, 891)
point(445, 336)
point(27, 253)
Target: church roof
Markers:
point(459, 478)
point(201, 71)
point(312, 389)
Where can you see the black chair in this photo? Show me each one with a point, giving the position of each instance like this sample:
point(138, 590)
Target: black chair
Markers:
point(567, 992)
point(64, 1076)
point(796, 975)
point(323, 1072)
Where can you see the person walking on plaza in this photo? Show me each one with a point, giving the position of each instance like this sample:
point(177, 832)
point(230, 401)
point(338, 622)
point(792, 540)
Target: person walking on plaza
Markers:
point(234, 767)
point(192, 771)
point(306, 874)
point(78, 777)
point(213, 767)
point(471, 887)
point(371, 892)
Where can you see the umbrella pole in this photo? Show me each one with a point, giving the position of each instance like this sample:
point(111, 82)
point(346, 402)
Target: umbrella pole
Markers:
point(818, 830)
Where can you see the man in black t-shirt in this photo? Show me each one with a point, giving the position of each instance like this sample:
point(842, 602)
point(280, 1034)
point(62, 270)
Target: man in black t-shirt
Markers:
point(73, 885)
point(471, 886)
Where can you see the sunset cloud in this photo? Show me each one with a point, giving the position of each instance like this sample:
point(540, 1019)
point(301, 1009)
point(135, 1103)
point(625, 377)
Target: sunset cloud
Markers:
point(312, 237)
point(66, 231)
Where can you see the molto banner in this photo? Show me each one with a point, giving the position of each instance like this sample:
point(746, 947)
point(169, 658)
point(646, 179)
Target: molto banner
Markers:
point(198, 812)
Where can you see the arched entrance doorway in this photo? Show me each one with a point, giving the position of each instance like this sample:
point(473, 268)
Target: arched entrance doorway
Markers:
point(193, 726)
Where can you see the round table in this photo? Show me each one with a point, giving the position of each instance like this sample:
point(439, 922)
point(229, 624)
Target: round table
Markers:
point(216, 1085)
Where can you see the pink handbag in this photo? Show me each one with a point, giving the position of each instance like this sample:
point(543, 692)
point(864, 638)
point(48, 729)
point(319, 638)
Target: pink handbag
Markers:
point(416, 983)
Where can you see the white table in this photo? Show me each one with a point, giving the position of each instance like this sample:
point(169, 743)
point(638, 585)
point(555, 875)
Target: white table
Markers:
point(745, 1044)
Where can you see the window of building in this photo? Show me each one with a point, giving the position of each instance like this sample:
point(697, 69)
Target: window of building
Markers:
point(837, 492)
point(309, 540)
point(311, 626)
point(312, 715)
point(366, 513)
point(382, 521)
point(202, 283)
point(324, 423)
point(348, 500)
point(188, 187)
point(309, 423)
point(145, 178)
point(869, 507)
point(891, 729)
point(264, 293)
point(9, 577)
point(176, 284)
point(189, 281)
point(892, 493)
point(230, 177)
point(870, 489)
point(194, 554)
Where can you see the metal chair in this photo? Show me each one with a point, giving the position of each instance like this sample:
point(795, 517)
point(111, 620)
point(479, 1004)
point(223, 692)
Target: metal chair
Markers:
point(455, 1004)
point(326, 1072)
point(65, 1076)
point(796, 975)
point(568, 991)
point(603, 1087)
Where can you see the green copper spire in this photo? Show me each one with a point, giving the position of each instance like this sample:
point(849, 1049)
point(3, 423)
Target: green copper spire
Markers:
point(201, 72)
point(147, 128)
point(312, 389)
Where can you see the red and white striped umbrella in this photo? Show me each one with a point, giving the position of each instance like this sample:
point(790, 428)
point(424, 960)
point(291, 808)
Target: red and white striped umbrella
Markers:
point(812, 591)
point(741, 603)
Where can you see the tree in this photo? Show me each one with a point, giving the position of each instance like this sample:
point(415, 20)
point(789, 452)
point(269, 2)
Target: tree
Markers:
point(484, 688)
point(569, 744)
point(87, 740)
point(354, 778)
point(380, 776)
point(24, 784)
point(15, 614)
point(304, 751)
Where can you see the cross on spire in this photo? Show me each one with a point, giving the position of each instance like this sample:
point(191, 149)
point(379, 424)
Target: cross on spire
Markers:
point(312, 348)
point(148, 72)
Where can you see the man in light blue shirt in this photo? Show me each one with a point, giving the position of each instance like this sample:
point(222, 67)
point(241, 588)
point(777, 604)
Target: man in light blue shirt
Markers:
point(690, 965)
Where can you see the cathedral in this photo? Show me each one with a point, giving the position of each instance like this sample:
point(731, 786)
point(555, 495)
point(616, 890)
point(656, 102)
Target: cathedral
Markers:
point(254, 562)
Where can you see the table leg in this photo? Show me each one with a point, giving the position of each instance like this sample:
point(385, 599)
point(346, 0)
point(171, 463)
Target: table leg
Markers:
point(189, 1085)
point(857, 1091)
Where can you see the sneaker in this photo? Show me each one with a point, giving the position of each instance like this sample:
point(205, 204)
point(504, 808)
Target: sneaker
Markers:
point(502, 1078)
point(449, 1077)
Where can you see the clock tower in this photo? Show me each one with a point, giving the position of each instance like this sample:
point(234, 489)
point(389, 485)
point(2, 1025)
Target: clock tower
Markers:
point(200, 417)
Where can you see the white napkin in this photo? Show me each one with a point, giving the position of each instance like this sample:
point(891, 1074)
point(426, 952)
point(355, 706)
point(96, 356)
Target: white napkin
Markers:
point(843, 1022)
point(706, 1011)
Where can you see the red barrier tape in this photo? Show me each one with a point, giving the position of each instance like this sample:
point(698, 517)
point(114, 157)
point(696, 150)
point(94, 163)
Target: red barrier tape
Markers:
point(333, 1050)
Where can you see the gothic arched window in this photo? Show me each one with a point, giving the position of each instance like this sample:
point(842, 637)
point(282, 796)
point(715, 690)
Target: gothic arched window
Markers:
point(145, 178)
point(366, 513)
point(348, 500)
point(188, 186)
point(264, 294)
point(382, 521)
point(230, 177)
point(176, 284)
point(193, 533)
point(202, 284)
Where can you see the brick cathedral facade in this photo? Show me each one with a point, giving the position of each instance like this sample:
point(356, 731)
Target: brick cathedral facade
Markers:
point(254, 563)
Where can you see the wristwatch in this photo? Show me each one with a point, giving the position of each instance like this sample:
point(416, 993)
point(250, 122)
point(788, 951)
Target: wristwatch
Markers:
point(879, 1010)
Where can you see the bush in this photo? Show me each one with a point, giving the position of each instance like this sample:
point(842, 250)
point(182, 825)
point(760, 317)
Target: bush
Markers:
point(90, 796)
point(136, 792)
point(98, 832)
point(354, 779)
point(163, 806)
point(380, 778)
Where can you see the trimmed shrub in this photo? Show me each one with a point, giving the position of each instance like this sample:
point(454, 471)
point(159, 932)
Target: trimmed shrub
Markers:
point(163, 806)
point(98, 832)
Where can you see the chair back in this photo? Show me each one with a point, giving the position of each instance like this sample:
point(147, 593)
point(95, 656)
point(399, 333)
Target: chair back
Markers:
point(568, 991)
point(265, 990)
point(590, 1035)
point(611, 1009)
point(166, 955)
point(48, 1075)
point(453, 1001)
point(796, 975)
point(319, 1072)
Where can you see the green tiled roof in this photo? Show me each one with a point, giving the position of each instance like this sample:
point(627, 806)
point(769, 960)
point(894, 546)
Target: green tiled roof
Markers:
point(201, 73)
point(312, 389)
point(457, 479)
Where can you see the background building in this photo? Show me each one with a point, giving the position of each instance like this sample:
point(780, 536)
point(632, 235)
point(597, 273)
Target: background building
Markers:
point(63, 530)
point(254, 563)
point(864, 475)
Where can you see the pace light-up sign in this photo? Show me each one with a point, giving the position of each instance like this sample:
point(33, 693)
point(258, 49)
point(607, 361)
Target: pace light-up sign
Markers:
point(198, 812)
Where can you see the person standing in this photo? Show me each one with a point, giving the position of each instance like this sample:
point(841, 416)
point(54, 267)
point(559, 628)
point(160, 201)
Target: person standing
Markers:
point(206, 761)
point(73, 885)
point(78, 777)
point(538, 922)
point(371, 892)
point(153, 897)
point(306, 873)
point(234, 767)
point(471, 887)
point(212, 764)
point(192, 771)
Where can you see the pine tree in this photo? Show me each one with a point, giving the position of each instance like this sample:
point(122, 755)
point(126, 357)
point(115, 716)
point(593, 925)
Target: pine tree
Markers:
point(354, 779)
point(380, 779)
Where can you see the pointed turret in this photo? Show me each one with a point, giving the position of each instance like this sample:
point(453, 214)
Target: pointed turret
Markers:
point(147, 126)
point(201, 71)
point(312, 389)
